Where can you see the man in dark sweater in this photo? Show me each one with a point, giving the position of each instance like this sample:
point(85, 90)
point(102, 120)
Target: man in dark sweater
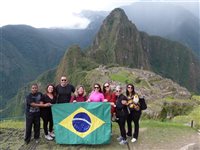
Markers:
point(33, 102)
point(64, 90)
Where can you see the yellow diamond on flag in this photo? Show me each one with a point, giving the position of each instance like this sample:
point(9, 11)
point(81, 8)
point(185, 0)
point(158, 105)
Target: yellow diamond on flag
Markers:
point(81, 122)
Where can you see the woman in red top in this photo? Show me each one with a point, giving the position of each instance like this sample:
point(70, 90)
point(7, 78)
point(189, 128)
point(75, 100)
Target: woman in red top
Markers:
point(109, 97)
point(79, 95)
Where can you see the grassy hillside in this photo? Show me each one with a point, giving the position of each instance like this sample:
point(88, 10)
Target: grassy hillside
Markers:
point(157, 90)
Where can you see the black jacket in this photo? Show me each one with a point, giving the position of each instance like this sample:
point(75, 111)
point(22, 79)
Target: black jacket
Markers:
point(119, 104)
point(142, 105)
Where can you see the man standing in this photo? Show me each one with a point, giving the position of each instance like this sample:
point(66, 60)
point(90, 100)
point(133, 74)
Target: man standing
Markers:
point(33, 102)
point(64, 90)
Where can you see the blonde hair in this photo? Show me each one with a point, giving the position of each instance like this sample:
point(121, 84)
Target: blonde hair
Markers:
point(77, 88)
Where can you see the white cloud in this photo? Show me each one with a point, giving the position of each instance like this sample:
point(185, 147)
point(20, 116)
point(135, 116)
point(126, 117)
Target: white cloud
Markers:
point(52, 13)
point(56, 13)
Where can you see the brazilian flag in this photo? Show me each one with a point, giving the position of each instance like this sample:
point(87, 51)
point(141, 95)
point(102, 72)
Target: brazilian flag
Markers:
point(82, 123)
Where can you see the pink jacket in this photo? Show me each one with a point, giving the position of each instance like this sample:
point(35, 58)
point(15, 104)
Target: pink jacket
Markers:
point(96, 97)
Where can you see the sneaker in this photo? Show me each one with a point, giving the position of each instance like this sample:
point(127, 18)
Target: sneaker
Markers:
point(122, 142)
point(52, 134)
point(133, 140)
point(120, 138)
point(114, 118)
point(36, 141)
point(48, 137)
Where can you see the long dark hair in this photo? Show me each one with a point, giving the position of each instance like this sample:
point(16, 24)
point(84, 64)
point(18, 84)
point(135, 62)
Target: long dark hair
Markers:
point(54, 89)
point(133, 89)
point(99, 87)
point(104, 88)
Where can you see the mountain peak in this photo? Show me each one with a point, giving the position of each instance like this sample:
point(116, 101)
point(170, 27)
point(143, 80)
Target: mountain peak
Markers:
point(72, 62)
point(118, 41)
point(116, 17)
point(118, 12)
point(69, 59)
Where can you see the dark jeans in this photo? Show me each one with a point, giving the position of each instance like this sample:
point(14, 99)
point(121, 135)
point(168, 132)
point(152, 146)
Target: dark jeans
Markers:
point(47, 118)
point(32, 119)
point(135, 117)
point(122, 120)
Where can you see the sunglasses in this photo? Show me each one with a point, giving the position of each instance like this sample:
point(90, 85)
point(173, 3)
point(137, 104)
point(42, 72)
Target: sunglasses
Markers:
point(130, 87)
point(106, 86)
point(117, 91)
point(63, 80)
point(96, 87)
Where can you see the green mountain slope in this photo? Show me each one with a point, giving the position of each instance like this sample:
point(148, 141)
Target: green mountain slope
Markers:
point(26, 52)
point(82, 70)
point(119, 41)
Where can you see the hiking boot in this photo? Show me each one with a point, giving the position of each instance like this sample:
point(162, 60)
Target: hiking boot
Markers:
point(48, 137)
point(123, 142)
point(133, 140)
point(120, 138)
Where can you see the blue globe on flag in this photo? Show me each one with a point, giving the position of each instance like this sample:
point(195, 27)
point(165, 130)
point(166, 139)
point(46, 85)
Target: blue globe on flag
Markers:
point(81, 122)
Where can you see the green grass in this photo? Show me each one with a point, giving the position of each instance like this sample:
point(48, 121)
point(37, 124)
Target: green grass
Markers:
point(171, 99)
point(161, 124)
point(126, 77)
point(196, 97)
point(12, 124)
point(160, 133)
point(194, 115)
point(122, 76)
point(15, 124)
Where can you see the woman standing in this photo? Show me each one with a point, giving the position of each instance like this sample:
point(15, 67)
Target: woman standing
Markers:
point(46, 113)
point(96, 95)
point(135, 106)
point(109, 96)
point(121, 113)
point(79, 95)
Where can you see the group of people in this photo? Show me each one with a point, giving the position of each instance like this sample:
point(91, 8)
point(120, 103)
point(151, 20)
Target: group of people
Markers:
point(123, 108)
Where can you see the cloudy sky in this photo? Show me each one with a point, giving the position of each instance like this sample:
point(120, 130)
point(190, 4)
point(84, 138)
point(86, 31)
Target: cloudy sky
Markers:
point(55, 13)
